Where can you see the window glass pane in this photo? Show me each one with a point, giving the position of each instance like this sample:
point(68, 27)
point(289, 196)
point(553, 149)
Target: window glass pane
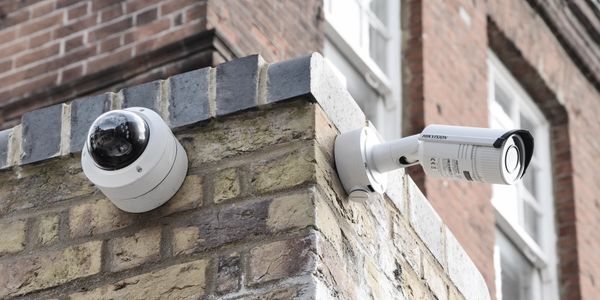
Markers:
point(531, 219)
point(379, 8)
point(529, 179)
point(377, 48)
point(516, 271)
point(527, 124)
point(346, 17)
point(503, 98)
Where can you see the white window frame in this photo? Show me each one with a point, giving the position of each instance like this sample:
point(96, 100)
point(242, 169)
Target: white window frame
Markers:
point(543, 255)
point(389, 111)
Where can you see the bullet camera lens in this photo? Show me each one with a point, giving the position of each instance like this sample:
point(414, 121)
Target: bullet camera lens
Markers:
point(117, 139)
point(512, 159)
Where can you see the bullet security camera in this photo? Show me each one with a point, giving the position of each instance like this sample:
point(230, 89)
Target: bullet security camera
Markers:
point(464, 153)
point(132, 156)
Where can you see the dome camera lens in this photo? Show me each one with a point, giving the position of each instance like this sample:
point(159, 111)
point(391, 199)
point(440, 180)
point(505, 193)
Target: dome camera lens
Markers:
point(117, 139)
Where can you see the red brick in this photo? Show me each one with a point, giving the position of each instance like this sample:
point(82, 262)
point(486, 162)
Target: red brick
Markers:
point(5, 66)
point(40, 24)
point(65, 3)
point(73, 43)
point(195, 12)
point(77, 11)
point(146, 31)
point(40, 39)
point(110, 44)
point(136, 5)
point(174, 5)
point(146, 17)
point(7, 34)
point(36, 55)
point(75, 27)
point(100, 4)
point(111, 13)
point(41, 9)
point(110, 29)
point(72, 73)
point(13, 48)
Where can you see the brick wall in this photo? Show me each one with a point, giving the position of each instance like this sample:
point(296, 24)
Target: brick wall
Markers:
point(570, 102)
point(547, 46)
point(261, 212)
point(49, 43)
point(435, 95)
point(53, 50)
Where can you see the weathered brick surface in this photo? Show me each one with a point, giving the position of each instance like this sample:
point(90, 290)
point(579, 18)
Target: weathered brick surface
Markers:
point(95, 217)
point(283, 172)
point(47, 229)
point(226, 185)
point(48, 183)
point(134, 250)
point(12, 236)
point(248, 133)
point(229, 272)
point(182, 281)
point(282, 259)
point(49, 269)
point(189, 196)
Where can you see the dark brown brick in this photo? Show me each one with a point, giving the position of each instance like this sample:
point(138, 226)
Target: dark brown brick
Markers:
point(75, 27)
point(73, 43)
point(65, 3)
point(137, 5)
point(110, 44)
point(111, 13)
point(110, 29)
point(146, 17)
point(77, 11)
point(36, 55)
point(40, 39)
point(72, 73)
point(41, 9)
point(40, 24)
point(142, 33)
point(101, 4)
point(5, 66)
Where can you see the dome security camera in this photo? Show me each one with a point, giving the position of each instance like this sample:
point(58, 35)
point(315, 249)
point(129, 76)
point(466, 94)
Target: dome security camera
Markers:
point(463, 153)
point(132, 156)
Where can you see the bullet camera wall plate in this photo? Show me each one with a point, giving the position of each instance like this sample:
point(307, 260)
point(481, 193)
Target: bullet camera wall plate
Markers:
point(151, 179)
point(352, 162)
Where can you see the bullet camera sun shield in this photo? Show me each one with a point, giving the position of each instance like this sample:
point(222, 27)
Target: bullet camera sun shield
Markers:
point(132, 156)
point(452, 152)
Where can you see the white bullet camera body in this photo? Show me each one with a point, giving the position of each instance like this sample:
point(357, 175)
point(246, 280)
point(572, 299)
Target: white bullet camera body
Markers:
point(132, 156)
point(452, 152)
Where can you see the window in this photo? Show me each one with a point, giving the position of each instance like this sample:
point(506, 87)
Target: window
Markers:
point(525, 250)
point(363, 43)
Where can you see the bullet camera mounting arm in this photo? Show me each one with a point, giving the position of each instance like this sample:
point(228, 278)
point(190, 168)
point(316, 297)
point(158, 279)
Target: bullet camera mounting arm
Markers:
point(455, 152)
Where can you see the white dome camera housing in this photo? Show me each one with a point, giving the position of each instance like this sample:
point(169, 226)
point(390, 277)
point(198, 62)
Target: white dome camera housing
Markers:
point(132, 156)
point(497, 156)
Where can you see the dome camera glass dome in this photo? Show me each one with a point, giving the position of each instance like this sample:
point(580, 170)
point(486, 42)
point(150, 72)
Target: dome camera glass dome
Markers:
point(117, 139)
